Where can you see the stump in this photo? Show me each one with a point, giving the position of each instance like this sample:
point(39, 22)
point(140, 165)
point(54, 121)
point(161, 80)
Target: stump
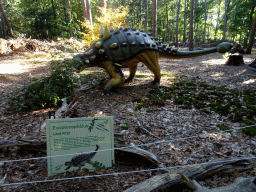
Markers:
point(235, 60)
point(253, 64)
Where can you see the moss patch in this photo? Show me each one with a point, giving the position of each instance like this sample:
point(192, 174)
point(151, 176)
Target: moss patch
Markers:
point(238, 106)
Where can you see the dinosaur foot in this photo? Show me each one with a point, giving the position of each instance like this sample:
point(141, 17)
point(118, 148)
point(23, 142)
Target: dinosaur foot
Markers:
point(107, 92)
point(128, 80)
point(156, 82)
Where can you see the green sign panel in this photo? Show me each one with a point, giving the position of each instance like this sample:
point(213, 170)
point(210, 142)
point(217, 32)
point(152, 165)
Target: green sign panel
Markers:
point(79, 135)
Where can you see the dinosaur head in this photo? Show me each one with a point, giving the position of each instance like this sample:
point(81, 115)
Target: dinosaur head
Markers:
point(81, 62)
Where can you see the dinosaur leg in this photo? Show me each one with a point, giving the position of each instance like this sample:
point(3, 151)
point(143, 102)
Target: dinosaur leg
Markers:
point(150, 59)
point(115, 74)
point(132, 71)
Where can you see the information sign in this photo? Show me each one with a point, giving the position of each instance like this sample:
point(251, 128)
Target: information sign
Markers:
point(79, 135)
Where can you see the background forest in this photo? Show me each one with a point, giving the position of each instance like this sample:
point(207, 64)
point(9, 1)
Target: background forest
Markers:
point(214, 20)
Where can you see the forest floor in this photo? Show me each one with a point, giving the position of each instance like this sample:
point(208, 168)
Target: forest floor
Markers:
point(167, 123)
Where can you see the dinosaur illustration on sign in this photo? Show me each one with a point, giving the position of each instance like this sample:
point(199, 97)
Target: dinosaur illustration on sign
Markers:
point(80, 160)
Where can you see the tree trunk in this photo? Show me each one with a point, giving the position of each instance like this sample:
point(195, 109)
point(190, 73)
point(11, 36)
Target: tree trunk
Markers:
point(185, 23)
point(154, 19)
point(218, 15)
point(167, 22)
point(249, 46)
point(68, 14)
point(5, 19)
point(205, 18)
point(4, 34)
point(105, 4)
point(53, 9)
point(225, 19)
point(146, 20)
point(177, 25)
point(87, 10)
point(191, 39)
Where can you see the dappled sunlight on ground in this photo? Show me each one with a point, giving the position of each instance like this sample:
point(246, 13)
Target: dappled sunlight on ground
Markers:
point(214, 62)
point(249, 81)
point(14, 68)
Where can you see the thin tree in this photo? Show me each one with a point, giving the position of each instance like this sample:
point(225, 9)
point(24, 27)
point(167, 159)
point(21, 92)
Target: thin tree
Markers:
point(154, 24)
point(249, 46)
point(69, 14)
point(87, 10)
point(217, 23)
point(205, 18)
point(185, 23)
point(191, 30)
point(146, 19)
point(167, 21)
point(177, 25)
point(5, 19)
point(227, 3)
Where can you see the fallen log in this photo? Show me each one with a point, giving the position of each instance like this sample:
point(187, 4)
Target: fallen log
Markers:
point(241, 184)
point(172, 181)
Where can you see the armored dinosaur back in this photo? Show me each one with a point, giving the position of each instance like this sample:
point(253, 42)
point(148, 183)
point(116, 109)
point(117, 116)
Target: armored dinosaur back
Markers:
point(120, 44)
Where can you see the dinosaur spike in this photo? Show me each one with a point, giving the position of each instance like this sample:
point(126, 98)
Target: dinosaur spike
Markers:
point(113, 46)
point(112, 29)
point(101, 31)
point(89, 52)
point(93, 57)
point(106, 33)
point(137, 33)
point(133, 44)
point(141, 30)
point(116, 30)
point(101, 51)
point(117, 64)
point(142, 44)
point(134, 29)
point(98, 45)
point(121, 28)
point(124, 44)
point(126, 28)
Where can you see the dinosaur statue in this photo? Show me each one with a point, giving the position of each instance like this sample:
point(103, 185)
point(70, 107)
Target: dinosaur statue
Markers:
point(125, 48)
point(80, 160)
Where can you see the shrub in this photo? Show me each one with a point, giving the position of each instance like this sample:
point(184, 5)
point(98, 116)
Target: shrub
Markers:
point(48, 91)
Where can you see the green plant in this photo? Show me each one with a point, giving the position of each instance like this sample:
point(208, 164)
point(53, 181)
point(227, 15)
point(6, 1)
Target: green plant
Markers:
point(48, 91)
point(98, 165)
point(129, 113)
point(224, 128)
point(125, 126)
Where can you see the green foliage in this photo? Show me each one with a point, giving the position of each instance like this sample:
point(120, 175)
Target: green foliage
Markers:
point(98, 165)
point(238, 106)
point(48, 91)
point(125, 126)
point(224, 128)
point(109, 17)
